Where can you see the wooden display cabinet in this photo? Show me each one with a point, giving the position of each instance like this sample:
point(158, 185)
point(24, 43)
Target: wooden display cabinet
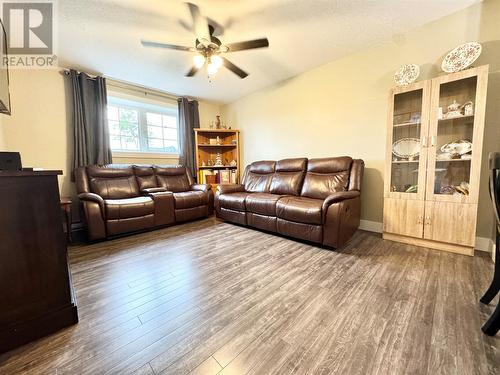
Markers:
point(207, 148)
point(430, 199)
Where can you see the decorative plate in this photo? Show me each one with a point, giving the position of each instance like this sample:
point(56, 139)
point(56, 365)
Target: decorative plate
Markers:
point(460, 147)
point(407, 74)
point(406, 148)
point(461, 57)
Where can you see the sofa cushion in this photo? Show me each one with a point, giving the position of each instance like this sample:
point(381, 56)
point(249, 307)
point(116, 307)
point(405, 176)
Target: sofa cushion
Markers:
point(112, 182)
point(127, 208)
point(326, 176)
point(262, 203)
point(300, 209)
point(190, 199)
point(258, 176)
point(233, 201)
point(145, 176)
point(289, 176)
point(173, 178)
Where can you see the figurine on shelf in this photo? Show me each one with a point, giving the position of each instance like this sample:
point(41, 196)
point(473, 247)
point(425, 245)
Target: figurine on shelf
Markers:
point(217, 122)
point(218, 160)
point(217, 141)
point(233, 163)
point(203, 164)
point(468, 109)
point(210, 163)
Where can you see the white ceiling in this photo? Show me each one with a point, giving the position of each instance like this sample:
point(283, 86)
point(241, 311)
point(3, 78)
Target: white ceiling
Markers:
point(103, 36)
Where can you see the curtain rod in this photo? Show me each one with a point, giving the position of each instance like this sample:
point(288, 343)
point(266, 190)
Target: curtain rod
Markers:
point(133, 87)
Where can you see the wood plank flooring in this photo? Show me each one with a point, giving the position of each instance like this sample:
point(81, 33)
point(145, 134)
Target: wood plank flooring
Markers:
point(213, 298)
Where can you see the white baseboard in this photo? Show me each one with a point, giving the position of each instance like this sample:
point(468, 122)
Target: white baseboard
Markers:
point(482, 243)
point(371, 226)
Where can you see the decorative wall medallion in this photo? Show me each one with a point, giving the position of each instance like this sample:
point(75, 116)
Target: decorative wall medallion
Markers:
point(461, 57)
point(407, 74)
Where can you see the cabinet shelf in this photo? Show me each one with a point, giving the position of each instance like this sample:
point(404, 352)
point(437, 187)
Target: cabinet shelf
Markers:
point(407, 124)
point(404, 161)
point(451, 160)
point(217, 166)
point(209, 145)
point(442, 120)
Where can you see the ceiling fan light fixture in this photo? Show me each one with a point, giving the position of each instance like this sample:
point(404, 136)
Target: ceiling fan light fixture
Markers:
point(212, 69)
point(216, 60)
point(198, 60)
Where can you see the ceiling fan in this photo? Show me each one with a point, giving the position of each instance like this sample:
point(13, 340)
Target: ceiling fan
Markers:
point(208, 48)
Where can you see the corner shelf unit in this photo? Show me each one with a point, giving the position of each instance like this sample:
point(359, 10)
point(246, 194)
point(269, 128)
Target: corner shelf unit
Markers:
point(228, 147)
point(432, 200)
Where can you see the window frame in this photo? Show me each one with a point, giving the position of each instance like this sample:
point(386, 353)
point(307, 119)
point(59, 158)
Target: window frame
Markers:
point(142, 109)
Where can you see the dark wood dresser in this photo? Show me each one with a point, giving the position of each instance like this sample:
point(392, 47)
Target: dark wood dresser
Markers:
point(36, 296)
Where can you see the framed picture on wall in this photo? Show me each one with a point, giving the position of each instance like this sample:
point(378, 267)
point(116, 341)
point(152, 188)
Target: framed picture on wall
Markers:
point(4, 73)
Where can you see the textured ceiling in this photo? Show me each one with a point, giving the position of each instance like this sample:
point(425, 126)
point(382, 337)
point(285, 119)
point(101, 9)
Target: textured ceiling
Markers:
point(103, 36)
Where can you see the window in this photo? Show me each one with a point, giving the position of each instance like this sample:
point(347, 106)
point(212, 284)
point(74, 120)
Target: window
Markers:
point(141, 127)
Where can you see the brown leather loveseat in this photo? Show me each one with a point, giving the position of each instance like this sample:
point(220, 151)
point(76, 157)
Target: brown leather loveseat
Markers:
point(317, 200)
point(118, 198)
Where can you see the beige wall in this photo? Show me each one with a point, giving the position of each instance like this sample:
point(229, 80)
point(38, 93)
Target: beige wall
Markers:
point(340, 108)
point(39, 125)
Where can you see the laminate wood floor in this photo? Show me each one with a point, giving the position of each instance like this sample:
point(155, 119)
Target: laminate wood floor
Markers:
point(213, 298)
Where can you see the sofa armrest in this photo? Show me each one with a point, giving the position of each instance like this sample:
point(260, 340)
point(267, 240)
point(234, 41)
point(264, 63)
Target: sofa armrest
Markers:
point(93, 208)
point(201, 187)
point(338, 197)
point(153, 190)
point(92, 198)
point(341, 217)
point(233, 188)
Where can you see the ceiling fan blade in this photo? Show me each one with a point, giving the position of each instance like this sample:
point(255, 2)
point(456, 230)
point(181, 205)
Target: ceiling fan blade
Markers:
point(147, 43)
point(250, 44)
point(239, 72)
point(192, 72)
point(200, 24)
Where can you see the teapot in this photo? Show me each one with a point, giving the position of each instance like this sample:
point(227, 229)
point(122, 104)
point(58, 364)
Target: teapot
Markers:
point(454, 106)
point(454, 110)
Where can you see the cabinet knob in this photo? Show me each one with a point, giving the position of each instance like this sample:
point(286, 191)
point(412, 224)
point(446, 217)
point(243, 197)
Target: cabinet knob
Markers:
point(428, 220)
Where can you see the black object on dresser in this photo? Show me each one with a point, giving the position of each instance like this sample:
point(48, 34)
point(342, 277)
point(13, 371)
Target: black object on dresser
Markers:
point(492, 326)
point(36, 295)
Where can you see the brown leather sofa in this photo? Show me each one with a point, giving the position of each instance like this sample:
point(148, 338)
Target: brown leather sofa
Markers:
point(317, 200)
point(118, 199)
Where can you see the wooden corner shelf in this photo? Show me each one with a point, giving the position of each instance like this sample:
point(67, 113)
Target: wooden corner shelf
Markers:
point(228, 149)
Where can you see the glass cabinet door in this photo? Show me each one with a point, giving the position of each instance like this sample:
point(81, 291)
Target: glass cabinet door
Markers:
point(407, 133)
point(453, 133)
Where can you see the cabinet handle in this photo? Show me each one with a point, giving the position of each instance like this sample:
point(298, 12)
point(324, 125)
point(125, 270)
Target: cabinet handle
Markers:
point(433, 141)
point(428, 220)
point(420, 220)
point(424, 141)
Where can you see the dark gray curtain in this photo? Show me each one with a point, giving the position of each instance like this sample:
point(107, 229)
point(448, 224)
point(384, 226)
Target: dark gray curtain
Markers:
point(90, 123)
point(189, 119)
